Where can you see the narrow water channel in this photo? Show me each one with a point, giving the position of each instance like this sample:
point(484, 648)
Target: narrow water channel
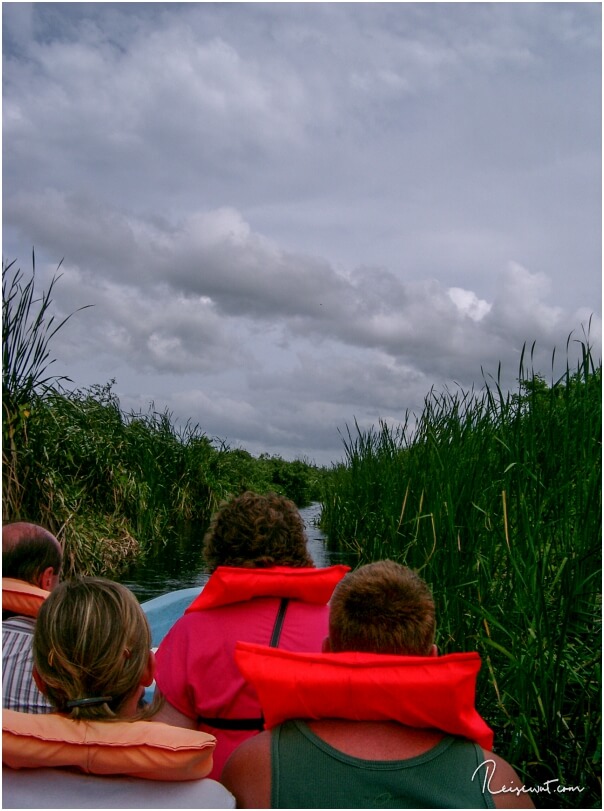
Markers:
point(179, 565)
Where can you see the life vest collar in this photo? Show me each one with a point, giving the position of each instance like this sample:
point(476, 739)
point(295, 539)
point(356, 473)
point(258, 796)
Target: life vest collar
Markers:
point(153, 751)
point(234, 584)
point(426, 692)
point(22, 597)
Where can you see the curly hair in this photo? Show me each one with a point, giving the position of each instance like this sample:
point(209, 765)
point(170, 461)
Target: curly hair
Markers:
point(256, 531)
point(382, 607)
point(91, 639)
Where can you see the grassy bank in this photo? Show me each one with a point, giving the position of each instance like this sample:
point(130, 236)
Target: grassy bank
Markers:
point(110, 484)
point(496, 499)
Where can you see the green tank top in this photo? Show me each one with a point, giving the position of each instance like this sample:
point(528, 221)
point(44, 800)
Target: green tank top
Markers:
point(306, 772)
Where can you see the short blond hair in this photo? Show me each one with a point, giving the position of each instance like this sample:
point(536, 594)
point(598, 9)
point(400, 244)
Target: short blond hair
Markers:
point(91, 640)
point(382, 607)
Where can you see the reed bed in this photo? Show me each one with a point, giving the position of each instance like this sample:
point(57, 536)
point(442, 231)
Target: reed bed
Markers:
point(496, 499)
point(113, 485)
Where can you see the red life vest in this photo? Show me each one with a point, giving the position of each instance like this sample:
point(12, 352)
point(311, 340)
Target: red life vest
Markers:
point(427, 692)
point(234, 584)
point(21, 597)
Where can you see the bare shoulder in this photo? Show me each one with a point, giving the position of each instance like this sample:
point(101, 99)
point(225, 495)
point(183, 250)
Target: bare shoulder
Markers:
point(501, 780)
point(167, 714)
point(247, 772)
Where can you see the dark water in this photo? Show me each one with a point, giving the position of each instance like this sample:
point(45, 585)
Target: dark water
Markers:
point(180, 565)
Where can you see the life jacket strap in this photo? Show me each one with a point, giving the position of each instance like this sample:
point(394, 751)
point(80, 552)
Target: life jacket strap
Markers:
point(274, 643)
point(253, 724)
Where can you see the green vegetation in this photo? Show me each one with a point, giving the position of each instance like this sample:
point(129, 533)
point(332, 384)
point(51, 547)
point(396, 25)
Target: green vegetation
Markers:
point(109, 484)
point(496, 498)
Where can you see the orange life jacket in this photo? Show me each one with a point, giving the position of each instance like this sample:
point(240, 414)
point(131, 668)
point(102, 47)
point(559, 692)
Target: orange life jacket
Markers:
point(153, 751)
point(234, 584)
point(428, 692)
point(22, 597)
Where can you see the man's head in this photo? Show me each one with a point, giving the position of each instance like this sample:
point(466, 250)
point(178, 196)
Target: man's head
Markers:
point(382, 607)
point(31, 553)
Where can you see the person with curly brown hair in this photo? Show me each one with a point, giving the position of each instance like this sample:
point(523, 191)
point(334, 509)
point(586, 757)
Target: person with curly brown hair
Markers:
point(263, 588)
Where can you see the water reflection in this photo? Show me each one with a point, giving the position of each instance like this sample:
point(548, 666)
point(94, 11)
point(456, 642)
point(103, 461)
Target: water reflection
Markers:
point(179, 565)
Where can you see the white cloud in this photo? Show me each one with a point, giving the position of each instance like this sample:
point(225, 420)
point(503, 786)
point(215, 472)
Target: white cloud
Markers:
point(468, 303)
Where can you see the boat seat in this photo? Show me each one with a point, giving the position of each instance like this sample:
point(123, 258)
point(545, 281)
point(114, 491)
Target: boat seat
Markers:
point(62, 788)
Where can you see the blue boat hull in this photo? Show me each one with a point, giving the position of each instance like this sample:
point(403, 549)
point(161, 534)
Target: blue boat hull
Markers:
point(162, 612)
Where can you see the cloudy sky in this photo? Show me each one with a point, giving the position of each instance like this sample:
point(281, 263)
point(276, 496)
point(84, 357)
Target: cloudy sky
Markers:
point(292, 216)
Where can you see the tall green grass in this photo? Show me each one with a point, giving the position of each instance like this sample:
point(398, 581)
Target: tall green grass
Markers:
point(113, 484)
point(110, 484)
point(116, 484)
point(496, 499)
point(28, 326)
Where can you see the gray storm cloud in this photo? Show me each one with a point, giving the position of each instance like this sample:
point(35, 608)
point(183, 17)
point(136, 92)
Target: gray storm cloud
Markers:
point(289, 216)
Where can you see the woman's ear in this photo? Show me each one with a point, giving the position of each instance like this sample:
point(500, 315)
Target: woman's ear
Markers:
point(39, 683)
point(434, 651)
point(149, 671)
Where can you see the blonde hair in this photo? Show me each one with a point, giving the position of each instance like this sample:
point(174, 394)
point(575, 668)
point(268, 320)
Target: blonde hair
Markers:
point(382, 607)
point(91, 647)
